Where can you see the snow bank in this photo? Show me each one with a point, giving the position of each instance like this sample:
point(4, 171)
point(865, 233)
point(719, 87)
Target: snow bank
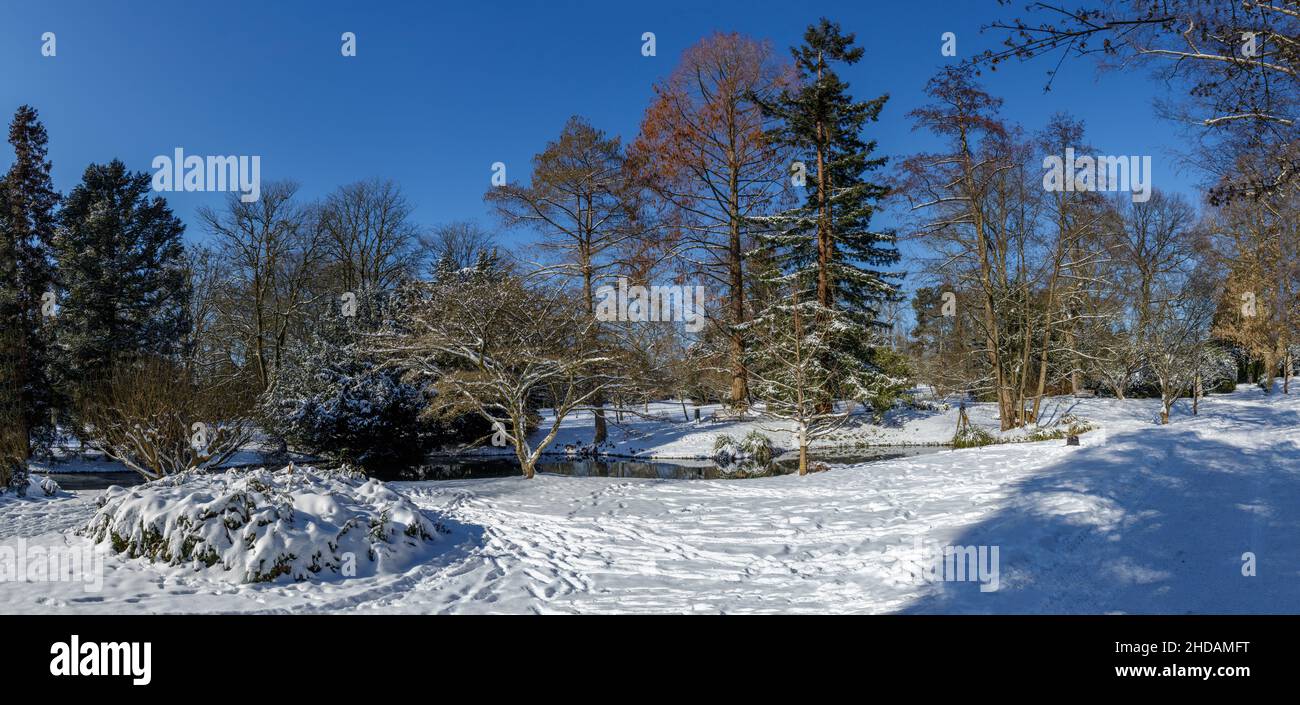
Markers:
point(36, 487)
point(261, 526)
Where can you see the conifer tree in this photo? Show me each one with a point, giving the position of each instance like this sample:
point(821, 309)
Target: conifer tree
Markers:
point(122, 271)
point(825, 249)
point(27, 224)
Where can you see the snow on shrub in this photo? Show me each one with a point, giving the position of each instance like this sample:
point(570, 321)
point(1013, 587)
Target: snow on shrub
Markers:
point(973, 436)
point(31, 486)
point(725, 448)
point(260, 526)
point(755, 446)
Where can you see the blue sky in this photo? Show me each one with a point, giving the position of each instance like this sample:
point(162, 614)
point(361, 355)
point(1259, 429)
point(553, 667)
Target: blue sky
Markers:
point(439, 91)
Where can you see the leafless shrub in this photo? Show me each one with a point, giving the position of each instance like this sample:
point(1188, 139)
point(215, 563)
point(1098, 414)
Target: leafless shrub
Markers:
point(158, 420)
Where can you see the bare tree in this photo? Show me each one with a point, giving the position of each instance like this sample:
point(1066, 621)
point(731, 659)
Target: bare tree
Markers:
point(1175, 337)
point(1238, 59)
point(499, 348)
point(704, 149)
point(1075, 221)
point(369, 239)
point(460, 244)
point(271, 250)
point(977, 210)
point(582, 204)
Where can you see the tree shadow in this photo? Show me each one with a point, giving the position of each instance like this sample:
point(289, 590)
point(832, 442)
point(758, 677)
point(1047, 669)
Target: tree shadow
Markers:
point(1153, 520)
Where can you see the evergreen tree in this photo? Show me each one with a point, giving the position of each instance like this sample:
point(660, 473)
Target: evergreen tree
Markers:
point(444, 268)
point(27, 224)
point(825, 249)
point(335, 396)
point(122, 269)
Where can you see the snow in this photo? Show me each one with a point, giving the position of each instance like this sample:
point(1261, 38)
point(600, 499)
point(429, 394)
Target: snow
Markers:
point(260, 526)
point(659, 430)
point(1140, 518)
point(37, 487)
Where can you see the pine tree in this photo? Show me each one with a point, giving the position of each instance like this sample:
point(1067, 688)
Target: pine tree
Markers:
point(122, 270)
point(825, 249)
point(27, 224)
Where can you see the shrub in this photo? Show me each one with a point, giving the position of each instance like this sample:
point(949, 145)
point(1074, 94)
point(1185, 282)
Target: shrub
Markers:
point(336, 398)
point(155, 417)
point(725, 448)
point(758, 447)
point(973, 437)
point(260, 526)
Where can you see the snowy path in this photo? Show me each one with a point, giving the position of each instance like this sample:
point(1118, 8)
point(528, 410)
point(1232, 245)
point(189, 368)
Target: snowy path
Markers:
point(1140, 519)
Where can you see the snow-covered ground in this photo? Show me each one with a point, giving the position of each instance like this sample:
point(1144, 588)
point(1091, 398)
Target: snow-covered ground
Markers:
point(1140, 518)
point(662, 430)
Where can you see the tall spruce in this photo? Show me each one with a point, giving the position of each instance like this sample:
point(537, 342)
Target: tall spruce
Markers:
point(122, 270)
point(27, 224)
point(825, 252)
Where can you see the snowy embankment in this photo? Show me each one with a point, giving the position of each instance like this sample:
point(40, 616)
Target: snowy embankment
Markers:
point(662, 430)
point(1140, 518)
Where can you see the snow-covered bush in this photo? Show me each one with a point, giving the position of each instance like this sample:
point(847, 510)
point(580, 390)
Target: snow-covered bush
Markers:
point(725, 448)
point(757, 446)
point(42, 486)
point(750, 455)
point(973, 436)
point(350, 408)
point(1067, 425)
point(260, 526)
point(28, 485)
point(753, 446)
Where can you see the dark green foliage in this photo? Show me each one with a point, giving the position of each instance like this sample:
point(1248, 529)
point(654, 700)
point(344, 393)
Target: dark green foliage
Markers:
point(335, 397)
point(824, 252)
point(27, 226)
point(121, 264)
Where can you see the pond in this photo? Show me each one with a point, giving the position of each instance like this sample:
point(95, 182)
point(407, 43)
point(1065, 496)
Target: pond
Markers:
point(468, 468)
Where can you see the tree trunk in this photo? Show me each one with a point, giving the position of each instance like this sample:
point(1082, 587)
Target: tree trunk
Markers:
point(1286, 372)
point(739, 398)
point(601, 431)
point(526, 465)
point(803, 458)
point(1196, 395)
